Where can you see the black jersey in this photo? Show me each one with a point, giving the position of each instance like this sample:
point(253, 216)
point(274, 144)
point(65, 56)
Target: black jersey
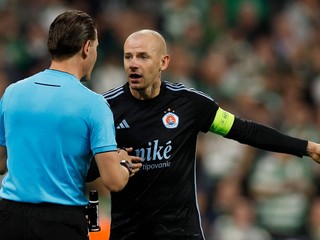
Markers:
point(160, 201)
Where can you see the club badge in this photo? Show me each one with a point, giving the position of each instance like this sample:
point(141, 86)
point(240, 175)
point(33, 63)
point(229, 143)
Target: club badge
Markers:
point(170, 120)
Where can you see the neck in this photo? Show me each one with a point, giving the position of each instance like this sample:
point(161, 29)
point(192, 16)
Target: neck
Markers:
point(146, 93)
point(71, 65)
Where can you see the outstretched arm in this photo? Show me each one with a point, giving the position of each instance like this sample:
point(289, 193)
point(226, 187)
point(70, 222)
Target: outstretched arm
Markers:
point(266, 138)
point(262, 136)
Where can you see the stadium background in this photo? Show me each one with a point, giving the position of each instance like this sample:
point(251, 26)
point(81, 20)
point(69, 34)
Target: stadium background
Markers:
point(259, 59)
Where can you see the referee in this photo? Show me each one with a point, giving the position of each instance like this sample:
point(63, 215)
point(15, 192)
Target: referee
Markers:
point(50, 127)
point(161, 121)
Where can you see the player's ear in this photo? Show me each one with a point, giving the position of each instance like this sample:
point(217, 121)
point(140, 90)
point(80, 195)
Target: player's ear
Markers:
point(164, 62)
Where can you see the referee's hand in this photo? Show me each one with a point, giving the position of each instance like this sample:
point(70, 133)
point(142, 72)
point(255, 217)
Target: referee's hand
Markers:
point(135, 162)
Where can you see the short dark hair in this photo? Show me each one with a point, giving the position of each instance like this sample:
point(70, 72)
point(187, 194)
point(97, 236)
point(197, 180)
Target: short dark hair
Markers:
point(68, 33)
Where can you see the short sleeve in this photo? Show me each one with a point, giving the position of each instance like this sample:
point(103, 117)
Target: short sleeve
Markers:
point(205, 109)
point(102, 134)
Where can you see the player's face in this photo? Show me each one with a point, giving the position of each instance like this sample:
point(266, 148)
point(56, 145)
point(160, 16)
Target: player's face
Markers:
point(142, 62)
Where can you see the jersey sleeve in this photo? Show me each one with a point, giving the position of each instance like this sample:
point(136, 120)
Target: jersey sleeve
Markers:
point(205, 110)
point(102, 135)
point(266, 138)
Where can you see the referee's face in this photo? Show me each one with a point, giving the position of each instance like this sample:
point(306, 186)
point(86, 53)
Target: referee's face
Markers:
point(143, 63)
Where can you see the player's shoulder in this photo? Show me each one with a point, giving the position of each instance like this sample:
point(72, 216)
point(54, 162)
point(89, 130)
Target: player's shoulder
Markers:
point(181, 89)
point(113, 93)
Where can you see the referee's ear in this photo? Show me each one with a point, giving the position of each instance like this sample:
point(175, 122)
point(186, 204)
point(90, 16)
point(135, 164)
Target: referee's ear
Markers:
point(85, 49)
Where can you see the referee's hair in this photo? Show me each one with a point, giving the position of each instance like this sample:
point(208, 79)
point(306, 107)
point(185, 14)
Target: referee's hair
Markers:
point(68, 33)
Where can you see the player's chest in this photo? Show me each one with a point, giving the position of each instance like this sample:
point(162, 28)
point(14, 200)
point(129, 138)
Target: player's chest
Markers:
point(161, 121)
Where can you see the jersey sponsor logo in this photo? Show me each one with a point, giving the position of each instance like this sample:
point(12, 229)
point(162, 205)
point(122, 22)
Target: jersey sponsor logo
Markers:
point(155, 156)
point(170, 120)
point(152, 166)
point(124, 124)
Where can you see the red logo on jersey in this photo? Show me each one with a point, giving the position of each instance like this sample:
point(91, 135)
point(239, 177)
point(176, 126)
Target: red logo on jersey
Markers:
point(170, 120)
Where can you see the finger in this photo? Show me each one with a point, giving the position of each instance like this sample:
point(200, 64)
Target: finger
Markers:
point(136, 167)
point(129, 149)
point(136, 160)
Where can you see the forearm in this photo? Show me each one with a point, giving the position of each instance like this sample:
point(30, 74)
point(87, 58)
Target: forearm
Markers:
point(267, 138)
point(113, 175)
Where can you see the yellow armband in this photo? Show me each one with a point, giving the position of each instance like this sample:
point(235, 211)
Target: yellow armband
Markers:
point(222, 122)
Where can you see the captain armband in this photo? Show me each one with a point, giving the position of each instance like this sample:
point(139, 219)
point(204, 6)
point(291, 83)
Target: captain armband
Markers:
point(222, 122)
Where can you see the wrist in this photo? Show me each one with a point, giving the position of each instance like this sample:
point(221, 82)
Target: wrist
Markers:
point(309, 149)
point(128, 166)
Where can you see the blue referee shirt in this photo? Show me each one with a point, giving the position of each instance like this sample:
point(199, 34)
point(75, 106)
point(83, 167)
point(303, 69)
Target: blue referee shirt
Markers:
point(51, 124)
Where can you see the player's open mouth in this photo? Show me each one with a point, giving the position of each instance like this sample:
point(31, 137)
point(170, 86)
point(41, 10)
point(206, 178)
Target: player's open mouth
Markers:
point(135, 76)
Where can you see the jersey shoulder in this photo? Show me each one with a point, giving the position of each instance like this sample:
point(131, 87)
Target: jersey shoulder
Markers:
point(181, 89)
point(113, 93)
point(175, 89)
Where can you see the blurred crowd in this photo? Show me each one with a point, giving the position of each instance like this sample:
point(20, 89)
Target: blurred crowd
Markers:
point(258, 59)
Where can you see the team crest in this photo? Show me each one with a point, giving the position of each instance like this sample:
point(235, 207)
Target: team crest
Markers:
point(170, 120)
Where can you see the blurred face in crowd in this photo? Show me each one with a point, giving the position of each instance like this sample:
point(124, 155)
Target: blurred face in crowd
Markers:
point(144, 58)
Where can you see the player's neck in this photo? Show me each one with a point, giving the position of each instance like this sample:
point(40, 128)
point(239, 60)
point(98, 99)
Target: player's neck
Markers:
point(147, 93)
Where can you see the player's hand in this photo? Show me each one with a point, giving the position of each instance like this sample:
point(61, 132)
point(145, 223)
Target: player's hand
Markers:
point(313, 150)
point(135, 162)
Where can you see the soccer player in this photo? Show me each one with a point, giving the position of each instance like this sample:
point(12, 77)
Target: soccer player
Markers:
point(50, 126)
point(161, 121)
